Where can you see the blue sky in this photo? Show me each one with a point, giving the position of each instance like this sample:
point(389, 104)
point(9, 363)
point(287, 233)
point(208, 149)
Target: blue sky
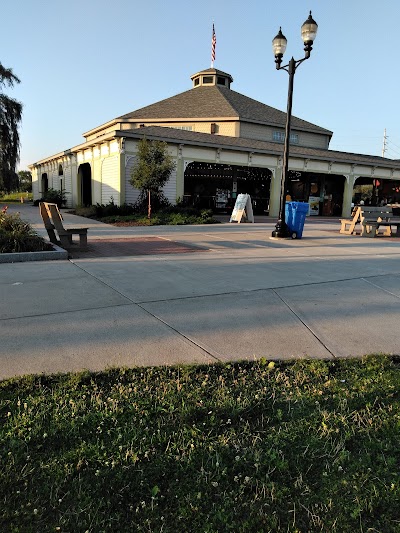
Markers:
point(84, 63)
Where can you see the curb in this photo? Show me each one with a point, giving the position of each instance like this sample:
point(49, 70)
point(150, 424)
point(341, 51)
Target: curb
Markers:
point(20, 257)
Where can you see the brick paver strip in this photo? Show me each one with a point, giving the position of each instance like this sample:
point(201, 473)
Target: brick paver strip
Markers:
point(131, 247)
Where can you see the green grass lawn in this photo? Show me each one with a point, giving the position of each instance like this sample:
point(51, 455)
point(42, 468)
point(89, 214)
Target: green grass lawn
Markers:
point(255, 447)
point(16, 197)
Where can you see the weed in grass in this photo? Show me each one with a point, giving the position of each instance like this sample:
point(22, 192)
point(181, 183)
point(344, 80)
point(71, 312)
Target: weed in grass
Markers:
point(303, 446)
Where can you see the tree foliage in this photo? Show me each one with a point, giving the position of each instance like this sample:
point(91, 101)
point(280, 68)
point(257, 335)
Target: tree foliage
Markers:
point(25, 181)
point(153, 166)
point(10, 118)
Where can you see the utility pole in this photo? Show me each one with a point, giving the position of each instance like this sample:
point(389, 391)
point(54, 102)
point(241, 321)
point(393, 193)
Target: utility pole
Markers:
point(384, 143)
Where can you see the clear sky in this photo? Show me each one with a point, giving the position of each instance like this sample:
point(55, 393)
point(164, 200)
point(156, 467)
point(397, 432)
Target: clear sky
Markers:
point(83, 63)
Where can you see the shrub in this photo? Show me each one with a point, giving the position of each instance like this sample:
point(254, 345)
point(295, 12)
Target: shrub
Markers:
point(111, 209)
point(17, 235)
point(54, 197)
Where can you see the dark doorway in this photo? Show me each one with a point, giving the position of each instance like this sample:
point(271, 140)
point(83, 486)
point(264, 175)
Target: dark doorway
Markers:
point(45, 183)
point(376, 191)
point(324, 192)
point(85, 184)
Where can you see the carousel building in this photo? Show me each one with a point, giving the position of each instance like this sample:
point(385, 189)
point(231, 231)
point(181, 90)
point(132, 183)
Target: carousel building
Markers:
point(224, 143)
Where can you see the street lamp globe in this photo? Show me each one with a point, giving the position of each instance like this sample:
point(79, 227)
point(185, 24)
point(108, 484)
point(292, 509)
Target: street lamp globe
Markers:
point(279, 44)
point(308, 33)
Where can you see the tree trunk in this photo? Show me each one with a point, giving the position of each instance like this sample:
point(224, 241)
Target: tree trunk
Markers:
point(149, 207)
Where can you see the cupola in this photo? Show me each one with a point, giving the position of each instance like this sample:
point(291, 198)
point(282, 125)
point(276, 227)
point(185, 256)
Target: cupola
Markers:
point(211, 77)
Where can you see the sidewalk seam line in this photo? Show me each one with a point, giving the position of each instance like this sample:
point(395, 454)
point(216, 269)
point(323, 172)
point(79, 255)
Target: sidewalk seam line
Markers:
point(380, 288)
point(259, 289)
point(304, 324)
point(149, 313)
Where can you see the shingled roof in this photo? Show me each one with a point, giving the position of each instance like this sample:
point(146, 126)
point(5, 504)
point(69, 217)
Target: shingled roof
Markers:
point(218, 102)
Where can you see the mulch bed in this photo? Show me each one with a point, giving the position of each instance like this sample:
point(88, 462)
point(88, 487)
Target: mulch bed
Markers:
point(132, 247)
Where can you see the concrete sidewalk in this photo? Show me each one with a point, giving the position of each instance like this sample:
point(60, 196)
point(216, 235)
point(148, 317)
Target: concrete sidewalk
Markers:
point(240, 296)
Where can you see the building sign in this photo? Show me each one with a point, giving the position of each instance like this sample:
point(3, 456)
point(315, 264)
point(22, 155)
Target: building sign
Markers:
point(242, 205)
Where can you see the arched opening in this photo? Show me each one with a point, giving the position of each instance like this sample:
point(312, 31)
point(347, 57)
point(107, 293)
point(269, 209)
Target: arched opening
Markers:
point(45, 182)
point(85, 184)
point(324, 192)
point(216, 186)
point(60, 170)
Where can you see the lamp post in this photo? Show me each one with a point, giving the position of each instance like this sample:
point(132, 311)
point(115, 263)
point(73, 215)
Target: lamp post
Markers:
point(279, 43)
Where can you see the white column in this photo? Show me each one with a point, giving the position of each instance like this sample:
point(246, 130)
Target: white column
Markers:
point(348, 195)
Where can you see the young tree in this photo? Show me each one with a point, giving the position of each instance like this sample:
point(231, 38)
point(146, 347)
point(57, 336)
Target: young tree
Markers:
point(10, 118)
point(152, 170)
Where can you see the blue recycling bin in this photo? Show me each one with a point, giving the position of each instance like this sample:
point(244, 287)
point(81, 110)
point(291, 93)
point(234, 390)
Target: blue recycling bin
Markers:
point(295, 214)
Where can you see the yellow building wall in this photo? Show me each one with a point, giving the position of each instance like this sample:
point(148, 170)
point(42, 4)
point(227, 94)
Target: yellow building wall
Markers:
point(265, 133)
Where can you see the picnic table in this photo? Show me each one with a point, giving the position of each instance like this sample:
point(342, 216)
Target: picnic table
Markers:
point(373, 218)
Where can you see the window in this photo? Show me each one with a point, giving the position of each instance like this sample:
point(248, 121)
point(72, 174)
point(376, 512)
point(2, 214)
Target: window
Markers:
point(186, 128)
point(208, 79)
point(220, 80)
point(279, 136)
point(196, 81)
point(60, 170)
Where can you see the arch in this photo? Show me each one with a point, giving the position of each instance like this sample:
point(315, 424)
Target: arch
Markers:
point(60, 170)
point(324, 192)
point(85, 184)
point(45, 182)
point(216, 186)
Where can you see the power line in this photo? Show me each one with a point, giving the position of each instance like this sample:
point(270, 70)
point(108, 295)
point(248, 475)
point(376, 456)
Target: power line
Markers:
point(390, 142)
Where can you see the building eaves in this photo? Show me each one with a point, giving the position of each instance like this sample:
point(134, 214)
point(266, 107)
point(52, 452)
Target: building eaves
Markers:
point(255, 146)
point(192, 138)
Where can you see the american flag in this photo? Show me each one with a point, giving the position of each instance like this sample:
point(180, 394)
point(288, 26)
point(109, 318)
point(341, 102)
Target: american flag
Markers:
point(213, 43)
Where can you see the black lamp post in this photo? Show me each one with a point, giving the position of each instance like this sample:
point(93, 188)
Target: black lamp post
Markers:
point(308, 34)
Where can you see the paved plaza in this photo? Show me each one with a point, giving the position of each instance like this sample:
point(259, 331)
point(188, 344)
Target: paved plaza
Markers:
point(199, 294)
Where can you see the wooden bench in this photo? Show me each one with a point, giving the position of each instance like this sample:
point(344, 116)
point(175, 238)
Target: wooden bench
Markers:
point(53, 222)
point(349, 224)
point(374, 218)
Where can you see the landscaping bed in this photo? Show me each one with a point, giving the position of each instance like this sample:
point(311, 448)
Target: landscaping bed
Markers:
point(128, 215)
point(298, 446)
point(19, 242)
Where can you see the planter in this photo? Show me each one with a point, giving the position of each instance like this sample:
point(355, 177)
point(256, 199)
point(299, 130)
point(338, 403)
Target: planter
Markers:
point(51, 255)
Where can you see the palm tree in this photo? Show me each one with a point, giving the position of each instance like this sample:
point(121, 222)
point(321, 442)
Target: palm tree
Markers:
point(10, 117)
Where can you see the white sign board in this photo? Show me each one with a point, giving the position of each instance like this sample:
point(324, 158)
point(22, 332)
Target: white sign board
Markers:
point(242, 205)
point(314, 205)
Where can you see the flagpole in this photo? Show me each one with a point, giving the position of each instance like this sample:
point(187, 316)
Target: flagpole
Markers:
point(213, 44)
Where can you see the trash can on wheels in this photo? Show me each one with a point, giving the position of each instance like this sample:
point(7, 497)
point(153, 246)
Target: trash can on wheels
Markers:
point(295, 214)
